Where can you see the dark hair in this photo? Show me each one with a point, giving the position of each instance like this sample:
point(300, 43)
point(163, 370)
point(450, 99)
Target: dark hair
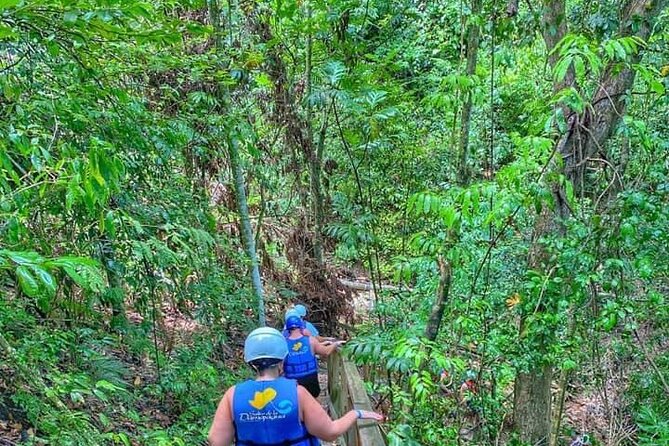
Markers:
point(262, 364)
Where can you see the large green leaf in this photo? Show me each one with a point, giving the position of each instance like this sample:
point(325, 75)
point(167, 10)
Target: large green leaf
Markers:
point(5, 4)
point(27, 281)
point(71, 262)
point(22, 257)
point(46, 279)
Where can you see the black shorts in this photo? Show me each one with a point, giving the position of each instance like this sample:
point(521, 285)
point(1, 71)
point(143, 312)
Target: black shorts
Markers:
point(310, 382)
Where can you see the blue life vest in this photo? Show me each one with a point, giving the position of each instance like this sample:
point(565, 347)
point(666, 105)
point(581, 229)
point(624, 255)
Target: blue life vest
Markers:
point(267, 413)
point(300, 361)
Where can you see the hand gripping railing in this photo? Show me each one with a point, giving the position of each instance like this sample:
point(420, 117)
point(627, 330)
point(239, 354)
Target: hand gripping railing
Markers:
point(347, 392)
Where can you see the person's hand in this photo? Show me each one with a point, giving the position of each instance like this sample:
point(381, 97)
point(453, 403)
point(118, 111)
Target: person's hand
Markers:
point(339, 344)
point(369, 415)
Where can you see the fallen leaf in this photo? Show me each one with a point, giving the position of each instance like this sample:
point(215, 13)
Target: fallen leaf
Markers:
point(513, 300)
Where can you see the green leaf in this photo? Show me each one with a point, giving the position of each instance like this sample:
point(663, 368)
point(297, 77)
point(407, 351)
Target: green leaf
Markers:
point(70, 16)
point(7, 33)
point(5, 4)
point(46, 279)
point(71, 262)
point(657, 87)
point(27, 281)
point(109, 225)
point(449, 215)
point(569, 191)
point(426, 204)
point(124, 439)
point(561, 68)
point(579, 68)
point(101, 395)
point(568, 364)
point(74, 275)
point(104, 420)
point(22, 257)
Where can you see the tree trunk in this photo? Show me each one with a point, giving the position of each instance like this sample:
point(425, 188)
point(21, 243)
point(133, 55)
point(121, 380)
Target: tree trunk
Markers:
point(215, 19)
point(587, 134)
point(532, 405)
point(440, 300)
point(472, 53)
point(247, 231)
point(114, 295)
point(240, 187)
point(315, 156)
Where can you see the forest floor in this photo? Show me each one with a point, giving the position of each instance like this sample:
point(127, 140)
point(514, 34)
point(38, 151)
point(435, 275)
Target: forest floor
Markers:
point(324, 399)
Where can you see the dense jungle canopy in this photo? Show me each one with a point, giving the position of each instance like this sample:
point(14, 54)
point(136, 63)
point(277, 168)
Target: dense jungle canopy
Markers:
point(474, 193)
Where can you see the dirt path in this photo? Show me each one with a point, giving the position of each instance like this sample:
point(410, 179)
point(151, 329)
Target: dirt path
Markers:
point(324, 398)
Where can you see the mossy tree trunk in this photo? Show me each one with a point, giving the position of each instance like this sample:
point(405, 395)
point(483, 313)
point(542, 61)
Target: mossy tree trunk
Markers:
point(587, 133)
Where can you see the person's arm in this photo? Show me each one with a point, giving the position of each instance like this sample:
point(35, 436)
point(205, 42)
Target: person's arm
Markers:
point(222, 430)
point(320, 425)
point(322, 349)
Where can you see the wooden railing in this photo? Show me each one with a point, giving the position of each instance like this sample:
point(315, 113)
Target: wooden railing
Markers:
point(347, 392)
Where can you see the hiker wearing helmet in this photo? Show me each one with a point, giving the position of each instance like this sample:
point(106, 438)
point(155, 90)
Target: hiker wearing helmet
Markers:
point(301, 311)
point(301, 363)
point(293, 312)
point(272, 410)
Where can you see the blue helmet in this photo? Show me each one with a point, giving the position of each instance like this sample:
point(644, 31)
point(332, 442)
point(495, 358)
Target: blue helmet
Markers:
point(265, 342)
point(291, 312)
point(301, 310)
point(293, 321)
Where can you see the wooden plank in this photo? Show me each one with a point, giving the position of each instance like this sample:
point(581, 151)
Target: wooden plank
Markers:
point(347, 392)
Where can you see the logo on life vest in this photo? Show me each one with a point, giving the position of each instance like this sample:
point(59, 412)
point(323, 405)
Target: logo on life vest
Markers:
point(297, 346)
point(262, 399)
point(284, 407)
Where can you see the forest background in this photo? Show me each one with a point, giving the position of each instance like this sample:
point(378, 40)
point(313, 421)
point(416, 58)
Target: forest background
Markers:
point(174, 172)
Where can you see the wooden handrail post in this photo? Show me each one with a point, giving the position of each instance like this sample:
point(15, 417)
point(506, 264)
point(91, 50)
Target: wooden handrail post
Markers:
point(347, 392)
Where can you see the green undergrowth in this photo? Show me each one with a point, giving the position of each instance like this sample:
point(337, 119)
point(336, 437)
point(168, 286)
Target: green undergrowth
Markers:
point(82, 385)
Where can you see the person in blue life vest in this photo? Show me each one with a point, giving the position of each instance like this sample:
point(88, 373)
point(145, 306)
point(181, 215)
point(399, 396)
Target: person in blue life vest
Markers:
point(293, 312)
point(301, 310)
point(301, 363)
point(271, 410)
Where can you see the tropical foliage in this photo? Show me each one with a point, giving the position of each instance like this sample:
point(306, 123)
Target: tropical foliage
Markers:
point(174, 171)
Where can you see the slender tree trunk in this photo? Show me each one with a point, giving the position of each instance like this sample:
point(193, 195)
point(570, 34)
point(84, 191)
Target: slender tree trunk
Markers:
point(240, 187)
point(314, 156)
point(440, 300)
point(114, 295)
point(317, 209)
point(247, 230)
point(215, 19)
point(472, 53)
